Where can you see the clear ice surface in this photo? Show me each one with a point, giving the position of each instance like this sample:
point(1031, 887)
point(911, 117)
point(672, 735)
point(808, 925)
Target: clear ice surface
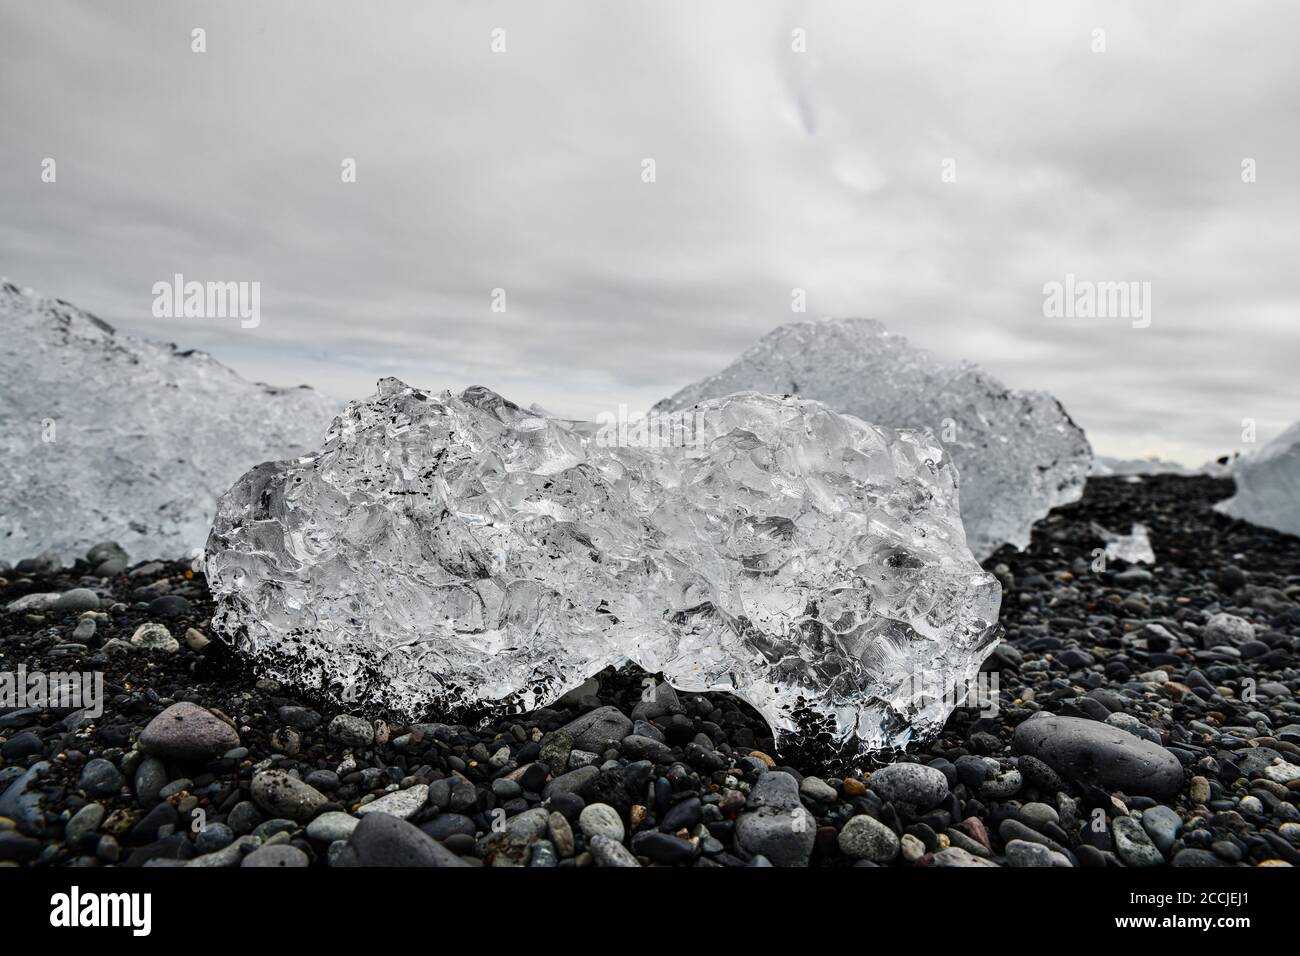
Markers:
point(1018, 453)
point(1134, 547)
point(1268, 485)
point(108, 437)
point(458, 550)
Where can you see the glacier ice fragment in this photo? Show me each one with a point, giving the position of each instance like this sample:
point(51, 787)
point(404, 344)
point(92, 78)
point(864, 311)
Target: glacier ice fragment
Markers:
point(1134, 547)
point(1018, 453)
point(108, 437)
point(1268, 485)
point(460, 551)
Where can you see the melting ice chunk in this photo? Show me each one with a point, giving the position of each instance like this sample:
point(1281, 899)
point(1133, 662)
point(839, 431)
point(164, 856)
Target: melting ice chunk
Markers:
point(457, 550)
point(1018, 453)
point(1268, 485)
point(1134, 547)
point(108, 437)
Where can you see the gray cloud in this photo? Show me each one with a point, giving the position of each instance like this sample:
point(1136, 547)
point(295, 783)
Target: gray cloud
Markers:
point(775, 170)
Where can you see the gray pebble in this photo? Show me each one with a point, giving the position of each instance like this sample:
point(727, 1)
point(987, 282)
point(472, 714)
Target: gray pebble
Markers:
point(598, 730)
point(383, 840)
point(1025, 853)
point(279, 856)
point(186, 731)
point(283, 795)
point(100, 778)
point(817, 790)
point(1132, 843)
point(601, 819)
point(402, 804)
point(77, 600)
point(1163, 826)
point(866, 838)
point(351, 731)
point(1101, 755)
point(607, 852)
point(912, 787)
point(83, 824)
point(332, 826)
point(213, 837)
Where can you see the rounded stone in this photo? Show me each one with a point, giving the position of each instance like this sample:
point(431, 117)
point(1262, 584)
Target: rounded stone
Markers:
point(866, 838)
point(155, 637)
point(1133, 845)
point(445, 825)
point(607, 852)
point(284, 795)
point(332, 826)
point(1027, 853)
point(281, 855)
point(83, 825)
point(912, 786)
point(817, 790)
point(1226, 629)
point(783, 837)
point(1037, 815)
point(1162, 825)
point(169, 606)
point(352, 731)
point(1101, 755)
point(77, 600)
point(383, 840)
point(1002, 786)
point(100, 778)
point(106, 551)
point(401, 803)
point(186, 731)
point(598, 730)
point(912, 848)
point(213, 837)
point(601, 819)
point(663, 848)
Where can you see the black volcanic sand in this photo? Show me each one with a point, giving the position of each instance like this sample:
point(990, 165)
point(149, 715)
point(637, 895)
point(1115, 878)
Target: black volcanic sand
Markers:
point(1153, 731)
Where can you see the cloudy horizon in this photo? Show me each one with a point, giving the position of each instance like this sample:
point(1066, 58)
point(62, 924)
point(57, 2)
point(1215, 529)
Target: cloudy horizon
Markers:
point(934, 167)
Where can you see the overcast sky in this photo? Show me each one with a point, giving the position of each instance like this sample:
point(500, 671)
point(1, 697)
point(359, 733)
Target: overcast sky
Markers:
point(775, 169)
